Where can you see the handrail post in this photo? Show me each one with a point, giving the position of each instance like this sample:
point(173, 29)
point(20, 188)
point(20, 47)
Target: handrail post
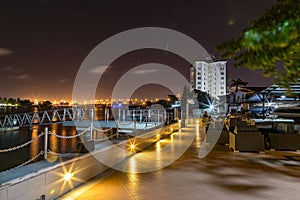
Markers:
point(134, 125)
point(133, 114)
point(92, 124)
point(123, 115)
point(146, 122)
point(117, 128)
point(46, 143)
point(107, 115)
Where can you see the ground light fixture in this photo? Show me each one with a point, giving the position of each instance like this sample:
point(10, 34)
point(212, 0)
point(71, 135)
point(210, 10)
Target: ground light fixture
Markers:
point(132, 146)
point(68, 176)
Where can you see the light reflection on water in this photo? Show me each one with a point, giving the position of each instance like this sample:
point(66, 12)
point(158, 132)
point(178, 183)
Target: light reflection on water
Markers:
point(34, 146)
point(14, 138)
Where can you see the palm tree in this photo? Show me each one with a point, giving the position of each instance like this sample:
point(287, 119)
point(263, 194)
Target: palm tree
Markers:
point(236, 84)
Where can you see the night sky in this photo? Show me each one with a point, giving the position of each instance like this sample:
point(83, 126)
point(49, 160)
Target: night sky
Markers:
point(43, 42)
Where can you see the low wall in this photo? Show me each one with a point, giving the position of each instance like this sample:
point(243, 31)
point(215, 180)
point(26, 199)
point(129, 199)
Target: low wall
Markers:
point(50, 183)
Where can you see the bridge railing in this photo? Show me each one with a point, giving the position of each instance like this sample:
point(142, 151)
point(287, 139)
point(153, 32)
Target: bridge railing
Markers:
point(89, 133)
point(41, 117)
point(124, 115)
point(79, 113)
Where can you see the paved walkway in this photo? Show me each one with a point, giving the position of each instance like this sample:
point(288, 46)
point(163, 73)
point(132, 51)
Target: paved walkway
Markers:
point(222, 174)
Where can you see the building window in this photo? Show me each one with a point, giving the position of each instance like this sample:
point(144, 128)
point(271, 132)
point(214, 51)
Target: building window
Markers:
point(222, 78)
point(222, 73)
point(221, 68)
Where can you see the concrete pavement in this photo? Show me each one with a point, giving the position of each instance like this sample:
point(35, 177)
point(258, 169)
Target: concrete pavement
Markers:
point(222, 174)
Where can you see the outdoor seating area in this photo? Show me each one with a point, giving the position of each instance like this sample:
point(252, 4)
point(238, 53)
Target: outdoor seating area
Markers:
point(284, 137)
point(248, 136)
point(218, 134)
point(285, 141)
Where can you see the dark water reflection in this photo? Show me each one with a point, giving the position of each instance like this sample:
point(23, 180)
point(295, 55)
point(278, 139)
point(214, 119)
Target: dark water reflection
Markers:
point(14, 138)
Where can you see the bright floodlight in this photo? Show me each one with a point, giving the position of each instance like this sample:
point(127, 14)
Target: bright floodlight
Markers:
point(132, 146)
point(68, 176)
point(211, 107)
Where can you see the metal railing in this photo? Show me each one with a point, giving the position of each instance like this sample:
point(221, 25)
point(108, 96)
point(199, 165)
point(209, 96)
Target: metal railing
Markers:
point(152, 119)
point(42, 117)
point(45, 151)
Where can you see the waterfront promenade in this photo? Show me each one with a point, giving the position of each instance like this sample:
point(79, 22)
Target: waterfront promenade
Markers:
point(222, 174)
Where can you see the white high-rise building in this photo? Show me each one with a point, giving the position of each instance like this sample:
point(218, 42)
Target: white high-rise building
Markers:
point(209, 77)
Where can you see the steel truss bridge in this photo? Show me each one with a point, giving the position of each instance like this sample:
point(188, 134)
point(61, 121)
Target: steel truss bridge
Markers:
point(42, 117)
point(62, 115)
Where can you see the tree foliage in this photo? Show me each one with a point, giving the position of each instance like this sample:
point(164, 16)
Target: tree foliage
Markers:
point(238, 82)
point(270, 42)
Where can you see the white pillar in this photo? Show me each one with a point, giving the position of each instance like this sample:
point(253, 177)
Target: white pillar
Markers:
point(92, 124)
point(46, 143)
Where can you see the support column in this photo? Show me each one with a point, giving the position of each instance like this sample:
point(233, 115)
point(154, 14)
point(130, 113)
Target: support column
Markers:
point(46, 143)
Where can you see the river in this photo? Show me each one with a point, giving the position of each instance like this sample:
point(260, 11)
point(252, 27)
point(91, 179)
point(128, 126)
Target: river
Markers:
point(15, 138)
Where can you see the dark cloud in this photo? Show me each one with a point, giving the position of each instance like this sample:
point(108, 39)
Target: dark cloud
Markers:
point(23, 77)
point(4, 52)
